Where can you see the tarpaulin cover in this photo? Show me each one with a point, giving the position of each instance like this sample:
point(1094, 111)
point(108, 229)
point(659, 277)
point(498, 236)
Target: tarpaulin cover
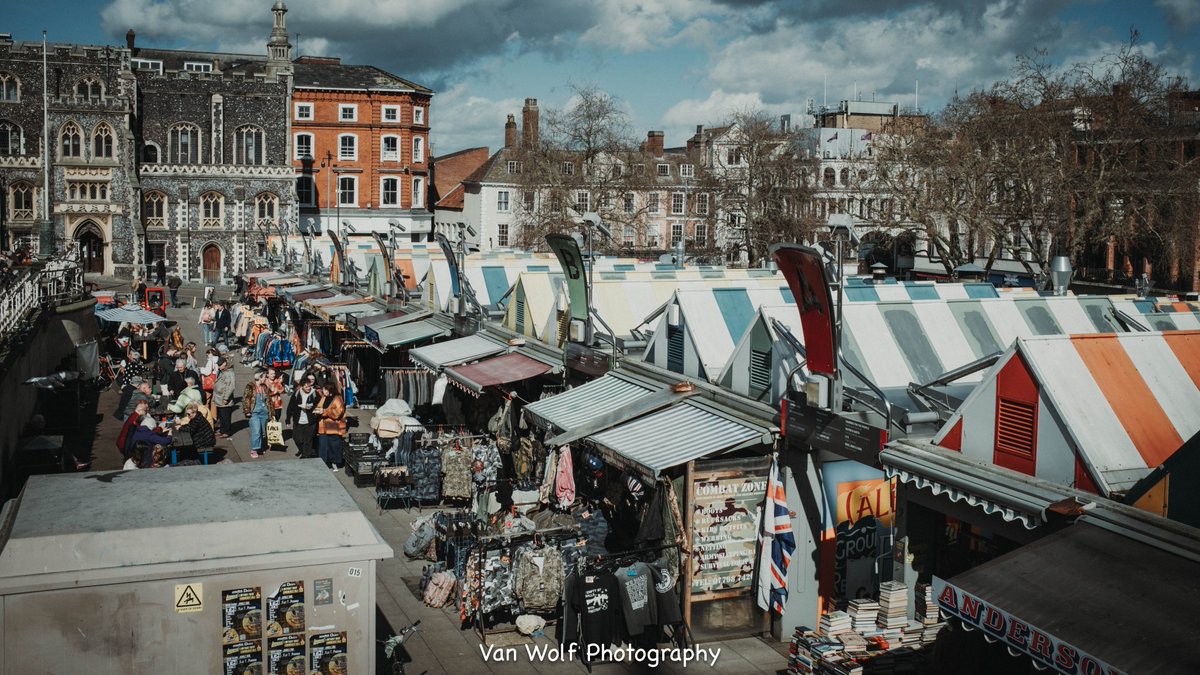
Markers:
point(498, 370)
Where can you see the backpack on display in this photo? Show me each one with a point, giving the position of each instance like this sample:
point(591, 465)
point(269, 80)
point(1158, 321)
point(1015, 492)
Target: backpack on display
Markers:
point(417, 544)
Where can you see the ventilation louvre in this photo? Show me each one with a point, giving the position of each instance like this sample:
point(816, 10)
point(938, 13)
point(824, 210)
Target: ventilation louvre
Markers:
point(1015, 427)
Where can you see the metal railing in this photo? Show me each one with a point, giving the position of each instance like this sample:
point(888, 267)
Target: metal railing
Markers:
point(58, 282)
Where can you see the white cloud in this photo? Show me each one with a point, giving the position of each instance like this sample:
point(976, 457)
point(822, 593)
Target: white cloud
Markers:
point(1184, 13)
point(460, 119)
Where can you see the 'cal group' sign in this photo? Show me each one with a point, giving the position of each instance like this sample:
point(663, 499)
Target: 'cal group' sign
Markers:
point(1044, 648)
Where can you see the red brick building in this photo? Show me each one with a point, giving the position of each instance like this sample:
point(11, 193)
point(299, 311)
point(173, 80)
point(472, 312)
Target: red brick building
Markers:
point(360, 148)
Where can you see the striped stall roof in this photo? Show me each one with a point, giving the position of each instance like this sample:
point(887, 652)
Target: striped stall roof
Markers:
point(590, 401)
point(897, 343)
point(866, 290)
point(454, 352)
point(1129, 401)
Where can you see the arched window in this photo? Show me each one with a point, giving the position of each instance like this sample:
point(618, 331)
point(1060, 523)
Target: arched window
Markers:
point(828, 177)
point(10, 139)
point(71, 145)
point(211, 206)
point(184, 144)
point(102, 142)
point(251, 146)
point(150, 153)
point(10, 87)
point(20, 201)
point(844, 177)
point(266, 207)
point(89, 89)
point(154, 209)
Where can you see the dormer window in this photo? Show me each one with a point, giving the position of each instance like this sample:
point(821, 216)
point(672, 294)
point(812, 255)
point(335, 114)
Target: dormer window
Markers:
point(197, 66)
point(147, 64)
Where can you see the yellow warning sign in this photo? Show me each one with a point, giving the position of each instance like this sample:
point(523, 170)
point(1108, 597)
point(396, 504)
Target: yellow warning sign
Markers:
point(189, 598)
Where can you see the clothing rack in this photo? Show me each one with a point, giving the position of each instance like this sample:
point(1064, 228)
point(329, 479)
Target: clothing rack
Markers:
point(501, 541)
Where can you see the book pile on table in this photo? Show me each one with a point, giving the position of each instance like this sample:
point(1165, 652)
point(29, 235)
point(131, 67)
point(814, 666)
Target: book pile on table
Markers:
point(929, 635)
point(835, 622)
point(893, 605)
point(926, 608)
point(809, 650)
point(864, 613)
point(912, 633)
point(855, 644)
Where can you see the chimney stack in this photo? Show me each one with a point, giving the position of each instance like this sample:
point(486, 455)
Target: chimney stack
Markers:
point(785, 124)
point(129, 37)
point(510, 132)
point(529, 123)
point(654, 143)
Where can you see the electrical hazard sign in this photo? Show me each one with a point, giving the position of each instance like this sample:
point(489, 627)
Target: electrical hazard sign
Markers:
point(189, 598)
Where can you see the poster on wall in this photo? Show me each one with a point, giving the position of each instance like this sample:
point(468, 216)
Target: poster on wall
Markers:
point(241, 613)
point(285, 609)
point(727, 499)
point(859, 508)
point(243, 658)
point(285, 655)
point(328, 654)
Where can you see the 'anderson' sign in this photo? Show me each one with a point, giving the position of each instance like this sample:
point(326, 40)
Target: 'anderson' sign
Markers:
point(1042, 647)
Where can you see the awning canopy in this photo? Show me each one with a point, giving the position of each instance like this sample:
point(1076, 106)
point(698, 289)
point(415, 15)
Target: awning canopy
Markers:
point(312, 295)
point(497, 370)
point(129, 314)
point(282, 281)
point(589, 401)
point(382, 320)
point(676, 435)
point(407, 333)
point(453, 352)
point(292, 291)
point(353, 308)
point(1086, 591)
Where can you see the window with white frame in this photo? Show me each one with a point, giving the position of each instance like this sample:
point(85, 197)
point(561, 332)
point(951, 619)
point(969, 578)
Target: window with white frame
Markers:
point(702, 204)
point(567, 168)
point(513, 166)
point(154, 209)
point(184, 144)
point(306, 191)
point(304, 146)
point(606, 200)
point(304, 111)
point(701, 237)
point(348, 112)
point(629, 202)
point(664, 169)
point(347, 146)
point(652, 202)
point(418, 149)
point(197, 66)
point(418, 115)
point(418, 187)
point(10, 88)
point(250, 146)
point(151, 65)
point(266, 211)
point(502, 200)
point(348, 191)
point(71, 145)
point(391, 113)
point(502, 234)
point(652, 235)
point(687, 170)
point(628, 236)
point(211, 207)
point(583, 201)
point(390, 149)
point(677, 203)
point(528, 201)
point(10, 139)
point(390, 191)
point(676, 233)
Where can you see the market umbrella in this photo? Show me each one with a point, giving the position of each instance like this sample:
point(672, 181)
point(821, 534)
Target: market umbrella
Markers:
point(377, 277)
point(129, 314)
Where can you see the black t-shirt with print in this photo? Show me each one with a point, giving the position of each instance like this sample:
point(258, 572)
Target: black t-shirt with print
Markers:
point(597, 601)
point(664, 587)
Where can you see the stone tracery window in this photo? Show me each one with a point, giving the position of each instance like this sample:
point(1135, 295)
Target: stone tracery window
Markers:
point(10, 87)
point(102, 142)
point(20, 201)
point(184, 144)
point(154, 209)
point(211, 207)
point(266, 210)
point(250, 146)
point(10, 139)
point(90, 89)
point(71, 145)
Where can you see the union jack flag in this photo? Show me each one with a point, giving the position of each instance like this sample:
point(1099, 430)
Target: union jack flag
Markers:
point(776, 544)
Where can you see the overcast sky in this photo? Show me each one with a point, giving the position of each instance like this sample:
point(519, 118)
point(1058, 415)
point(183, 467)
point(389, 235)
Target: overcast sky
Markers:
point(673, 63)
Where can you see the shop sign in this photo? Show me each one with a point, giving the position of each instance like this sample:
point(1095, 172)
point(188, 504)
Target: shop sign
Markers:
point(829, 431)
point(726, 515)
point(1046, 650)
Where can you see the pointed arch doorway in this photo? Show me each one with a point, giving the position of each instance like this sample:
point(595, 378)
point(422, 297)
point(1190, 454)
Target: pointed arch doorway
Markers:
point(210, 263)
point(91, 247)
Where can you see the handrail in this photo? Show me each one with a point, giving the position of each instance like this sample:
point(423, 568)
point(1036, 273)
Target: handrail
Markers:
point(58, 282)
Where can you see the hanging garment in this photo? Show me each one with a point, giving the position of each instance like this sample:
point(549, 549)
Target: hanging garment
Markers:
point(546, 489)
point(488, 457)
point(564, 486)
point(524, 463)
point(439, 389)
point(637, 597)
point(456, 472)
point(539, 579)
point(497, 583)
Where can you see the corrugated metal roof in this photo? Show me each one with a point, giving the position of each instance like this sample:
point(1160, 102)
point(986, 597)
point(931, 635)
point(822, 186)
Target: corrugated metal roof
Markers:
point(356, 308)
point(676, 435)
point(407, 333)
point(453, 352)
point(1129, 401)
point(594, 399)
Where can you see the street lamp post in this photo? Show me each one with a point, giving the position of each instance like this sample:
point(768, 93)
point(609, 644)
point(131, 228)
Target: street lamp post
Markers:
point(594, 224)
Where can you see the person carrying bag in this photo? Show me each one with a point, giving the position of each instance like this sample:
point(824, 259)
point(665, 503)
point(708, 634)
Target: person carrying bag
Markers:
point(331, 409)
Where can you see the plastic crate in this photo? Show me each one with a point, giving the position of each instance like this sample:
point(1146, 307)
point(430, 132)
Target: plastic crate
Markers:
point(358, 438)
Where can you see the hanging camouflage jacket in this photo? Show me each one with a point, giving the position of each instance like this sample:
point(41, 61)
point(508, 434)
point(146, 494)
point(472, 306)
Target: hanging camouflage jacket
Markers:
point(456, 473)
point(539, 579)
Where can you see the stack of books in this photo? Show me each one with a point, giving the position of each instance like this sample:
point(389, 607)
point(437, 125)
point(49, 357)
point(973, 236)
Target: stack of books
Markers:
point(926, 607)
point(893, 605)
point(864, 613)
point(912, 633)
point(929, 635)
point(834, 623)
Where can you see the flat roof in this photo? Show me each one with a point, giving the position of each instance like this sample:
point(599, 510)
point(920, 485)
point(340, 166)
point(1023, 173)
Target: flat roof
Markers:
point(111, 527)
